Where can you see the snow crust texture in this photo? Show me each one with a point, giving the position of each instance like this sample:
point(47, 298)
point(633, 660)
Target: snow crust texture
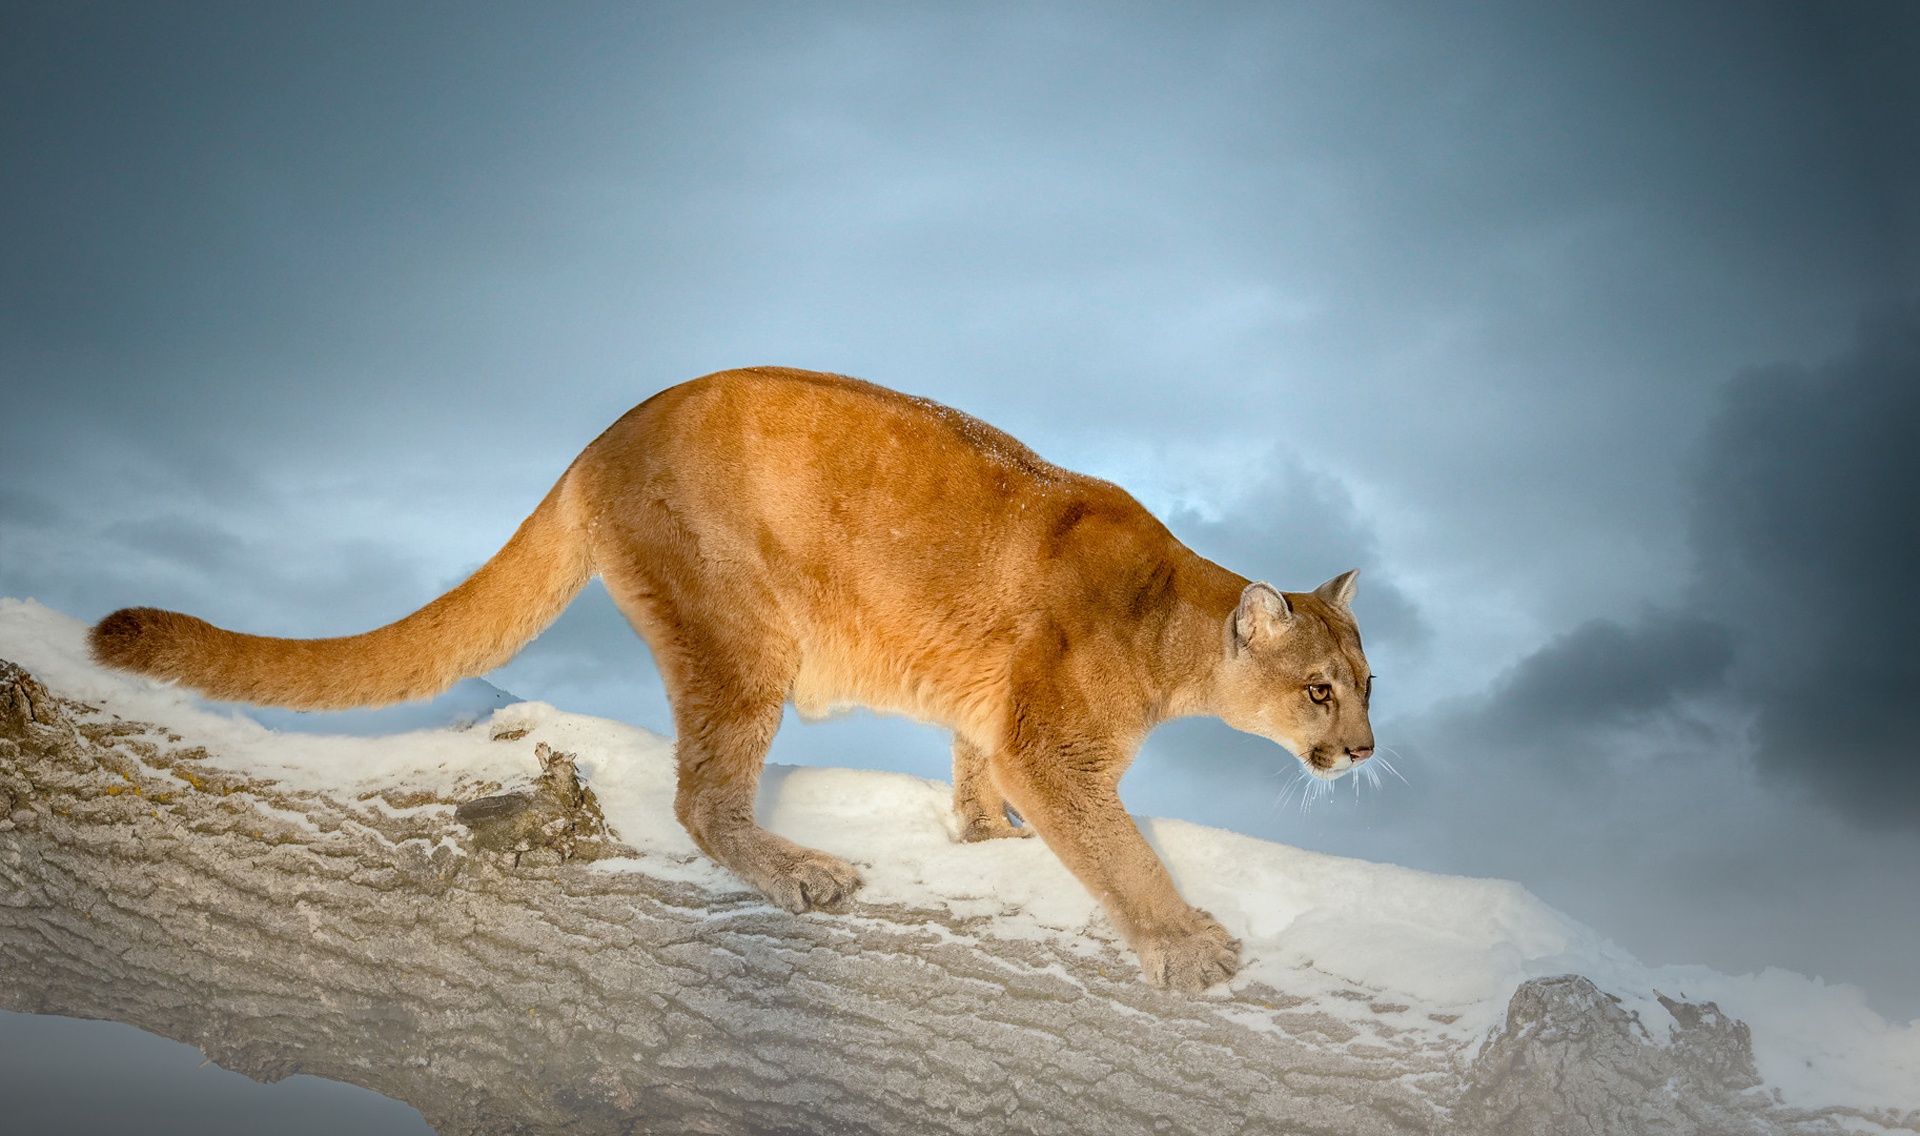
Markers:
point(295, 903)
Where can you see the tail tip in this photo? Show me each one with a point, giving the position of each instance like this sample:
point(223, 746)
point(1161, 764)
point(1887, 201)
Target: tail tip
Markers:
point(134, 638)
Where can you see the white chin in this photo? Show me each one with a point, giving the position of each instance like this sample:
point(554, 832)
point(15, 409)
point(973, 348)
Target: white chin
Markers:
point(1338, 771)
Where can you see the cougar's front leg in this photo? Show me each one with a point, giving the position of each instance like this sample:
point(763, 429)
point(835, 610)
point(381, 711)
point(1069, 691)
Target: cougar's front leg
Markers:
point(1067, 789)
point(977, 801)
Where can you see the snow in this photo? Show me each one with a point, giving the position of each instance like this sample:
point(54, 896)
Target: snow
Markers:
point(1357, 938)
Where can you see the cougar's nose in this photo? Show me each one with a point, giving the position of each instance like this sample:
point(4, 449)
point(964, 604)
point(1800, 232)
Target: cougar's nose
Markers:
point(1360, 755)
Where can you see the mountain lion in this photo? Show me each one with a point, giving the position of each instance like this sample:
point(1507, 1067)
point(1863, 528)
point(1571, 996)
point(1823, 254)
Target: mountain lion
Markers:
point(782, 536)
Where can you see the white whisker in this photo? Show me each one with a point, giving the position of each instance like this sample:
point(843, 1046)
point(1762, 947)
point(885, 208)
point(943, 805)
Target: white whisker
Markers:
point(1388, 766)
point(1292, 787)
point(1317, 789)
point(1307, 789)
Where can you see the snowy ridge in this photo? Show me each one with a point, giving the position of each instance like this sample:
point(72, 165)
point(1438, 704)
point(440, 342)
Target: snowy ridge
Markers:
point(1397, 958)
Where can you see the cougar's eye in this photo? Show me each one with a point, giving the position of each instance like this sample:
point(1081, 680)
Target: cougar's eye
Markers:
point(1320, 692)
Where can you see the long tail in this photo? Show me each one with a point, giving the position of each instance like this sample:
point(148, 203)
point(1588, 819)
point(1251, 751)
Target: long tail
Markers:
point(475, 627)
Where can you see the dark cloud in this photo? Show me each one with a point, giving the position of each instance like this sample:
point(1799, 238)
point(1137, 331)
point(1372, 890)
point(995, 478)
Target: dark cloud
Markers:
point(1801, 609)
point(190, 543)
point(1610, 769)
point(1607, 674)
point(1809, 550)
point(164, 543)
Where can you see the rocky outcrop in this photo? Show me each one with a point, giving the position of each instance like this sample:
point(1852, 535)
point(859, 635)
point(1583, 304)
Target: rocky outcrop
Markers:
point(1568, 1059)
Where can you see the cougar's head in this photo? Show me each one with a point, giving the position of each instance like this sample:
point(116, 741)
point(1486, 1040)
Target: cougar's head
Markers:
point(1294, 673)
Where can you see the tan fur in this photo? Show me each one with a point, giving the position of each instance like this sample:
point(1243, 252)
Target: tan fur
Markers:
point(781, 536)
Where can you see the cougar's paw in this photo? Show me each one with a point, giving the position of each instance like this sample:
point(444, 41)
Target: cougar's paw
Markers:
point(808, 880)
point(1191, 958)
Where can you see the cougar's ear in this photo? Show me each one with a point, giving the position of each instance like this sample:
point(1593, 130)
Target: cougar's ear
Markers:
point(1262, 616)
point(1339, 590)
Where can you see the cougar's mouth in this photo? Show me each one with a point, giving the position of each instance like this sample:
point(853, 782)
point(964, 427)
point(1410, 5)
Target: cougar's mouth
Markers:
point(1326, 766)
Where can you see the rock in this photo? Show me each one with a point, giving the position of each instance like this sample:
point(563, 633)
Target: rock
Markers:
point(1570, 1060)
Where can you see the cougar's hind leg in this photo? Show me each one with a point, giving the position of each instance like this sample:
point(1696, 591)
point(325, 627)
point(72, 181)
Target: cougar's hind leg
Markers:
point(977, 801)
point(724, 734)
point(727, 678)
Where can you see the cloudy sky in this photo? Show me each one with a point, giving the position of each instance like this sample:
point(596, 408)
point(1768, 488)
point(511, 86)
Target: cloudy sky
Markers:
point(1589, 332)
